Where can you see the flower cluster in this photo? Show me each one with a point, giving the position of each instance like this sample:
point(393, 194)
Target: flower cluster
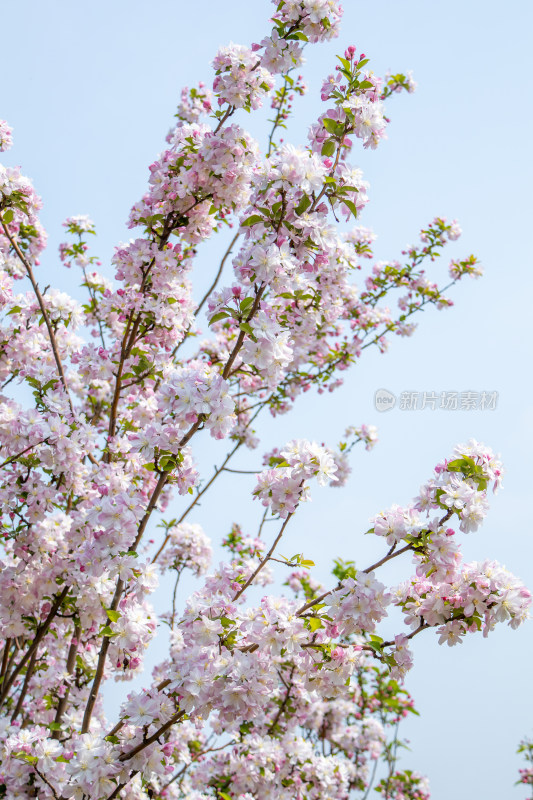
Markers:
point(19, 209)
point(204, 176)
point(282, 488)
point(188, 548)
point(194, 103)
point(406, 785)
point(318, 20)
point(240, 80)
point(6, 138)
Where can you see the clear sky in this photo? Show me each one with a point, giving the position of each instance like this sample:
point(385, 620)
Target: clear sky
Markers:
point(91, 89)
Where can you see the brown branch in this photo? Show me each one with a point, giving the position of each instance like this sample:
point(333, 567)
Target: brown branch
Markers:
point(126, 345)
point(120, 724)
point(39, 635)
point(5, 657)
point(219, 273)
point(71, 663)
point(391, 554)
point(215, 475)
point(193, 759)
point(318, 599)
point(22, 695)
point(119, 589)
point(120, 786)
point(44, 312)
point(11, 661)
point(260, 566)
point(18, 455)
point(424, 626)
point(282, 705)
point(240, 339)
point(45, 780)
point(229, 111)
point(153, 738)
point(97, 680)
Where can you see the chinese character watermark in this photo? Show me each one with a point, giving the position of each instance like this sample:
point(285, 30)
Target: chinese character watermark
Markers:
point(449, 400)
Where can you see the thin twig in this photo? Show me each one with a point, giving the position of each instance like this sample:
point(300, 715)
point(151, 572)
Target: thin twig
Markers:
point(23, 691)
point(219, 273)
point(153, 738)
point(44, 311)
point(240, 339)
point(5, 657)
point(71, 663)
point(18, 455)
point(190, 507)
point(39, 635)
point(391, 554)
point(260, 566)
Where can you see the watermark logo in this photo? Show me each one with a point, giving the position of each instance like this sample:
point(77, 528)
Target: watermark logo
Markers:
point(384, 400)
point(450, 400)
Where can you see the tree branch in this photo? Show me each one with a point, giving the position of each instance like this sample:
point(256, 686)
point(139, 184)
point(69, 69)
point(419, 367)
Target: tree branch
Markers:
point(39, 635)
point(260, 566)
point(44, 312)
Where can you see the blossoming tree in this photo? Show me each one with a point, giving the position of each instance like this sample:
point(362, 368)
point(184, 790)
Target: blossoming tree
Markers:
point(295, 694)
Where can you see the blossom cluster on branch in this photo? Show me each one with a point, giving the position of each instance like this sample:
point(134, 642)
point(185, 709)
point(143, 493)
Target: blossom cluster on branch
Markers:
point(295, 694)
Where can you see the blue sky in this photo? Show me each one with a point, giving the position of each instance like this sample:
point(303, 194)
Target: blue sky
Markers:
point(91, 89)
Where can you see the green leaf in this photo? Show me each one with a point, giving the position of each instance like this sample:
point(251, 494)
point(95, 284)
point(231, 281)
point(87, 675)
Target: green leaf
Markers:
point(217, 317)
point(113, 615)
point(246, 304)
point(26, 757)
point(349, 204)
point(345, 63)
point(245, 727)
point(303, 205)
point(112, 738)
point(330, 125)
point(457, 465)
point(253, 220)
point(167, 463)
point(8, 216)
point(55, 726)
